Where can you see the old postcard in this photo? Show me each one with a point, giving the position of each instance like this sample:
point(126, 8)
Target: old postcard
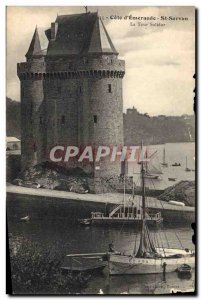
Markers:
point(100, 150)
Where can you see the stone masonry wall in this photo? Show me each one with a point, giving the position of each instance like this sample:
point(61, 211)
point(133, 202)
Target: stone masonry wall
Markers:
point(32, 132)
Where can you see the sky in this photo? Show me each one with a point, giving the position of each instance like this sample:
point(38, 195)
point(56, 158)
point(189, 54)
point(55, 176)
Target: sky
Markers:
point(160, 60)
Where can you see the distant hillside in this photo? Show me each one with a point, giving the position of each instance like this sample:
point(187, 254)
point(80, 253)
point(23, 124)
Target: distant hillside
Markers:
point(12, 118)
point(153, 130)
point(157, 130)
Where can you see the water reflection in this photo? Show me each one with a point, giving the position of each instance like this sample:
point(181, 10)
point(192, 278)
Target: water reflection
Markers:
point(141, 284)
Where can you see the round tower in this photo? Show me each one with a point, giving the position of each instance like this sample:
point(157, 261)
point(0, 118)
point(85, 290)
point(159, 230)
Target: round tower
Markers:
point(101, 100)
point(32, 105)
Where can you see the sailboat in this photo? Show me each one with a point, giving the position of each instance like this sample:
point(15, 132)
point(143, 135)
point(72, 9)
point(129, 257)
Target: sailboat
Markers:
point(187, 169)
point(149, 259)
point(153, 169)
point(164, 163)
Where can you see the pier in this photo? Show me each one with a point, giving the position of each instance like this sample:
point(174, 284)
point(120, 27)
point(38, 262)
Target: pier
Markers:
point(44, 202)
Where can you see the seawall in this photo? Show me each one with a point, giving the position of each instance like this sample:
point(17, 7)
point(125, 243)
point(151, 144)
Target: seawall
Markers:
point(43, 203)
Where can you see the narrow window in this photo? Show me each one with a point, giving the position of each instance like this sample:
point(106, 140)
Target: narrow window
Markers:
point(34, 147)
point(85, 60)
point(95, 119)
point(80, 90)
point(109, 88)
point(59, 89)
point(135, 211)
point(41, 120)
point(62, 120)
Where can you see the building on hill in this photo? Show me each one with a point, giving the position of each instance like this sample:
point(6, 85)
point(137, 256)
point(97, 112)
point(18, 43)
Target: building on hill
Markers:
point(138, 126)
point(71, 94)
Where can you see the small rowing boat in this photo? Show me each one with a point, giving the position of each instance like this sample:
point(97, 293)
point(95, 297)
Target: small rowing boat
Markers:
point(176, 164)
point(184, 269)
point(172, 178)
point(86, 263)
point(25, 219)
point(85, 222)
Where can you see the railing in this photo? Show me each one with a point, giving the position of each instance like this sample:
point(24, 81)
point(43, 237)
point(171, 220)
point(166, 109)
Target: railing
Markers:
point(118, 207)
point(122, 215)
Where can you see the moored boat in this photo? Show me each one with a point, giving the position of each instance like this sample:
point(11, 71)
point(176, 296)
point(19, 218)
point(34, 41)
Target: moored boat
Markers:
point(147, 258)
point(184, 269)
point(124, 264)
point(151, 176)
point(152, 168)
point(172, 178)
point(176, 164)
point(164, 163)
point(128, 216)
point(126, 213)
point(84, 264)
point(187, 169)
point(25, 219)
point(85, 222)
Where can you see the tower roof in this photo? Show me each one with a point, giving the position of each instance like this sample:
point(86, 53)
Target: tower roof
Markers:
point(100, 41)
point(35, 47)
point(80, 34)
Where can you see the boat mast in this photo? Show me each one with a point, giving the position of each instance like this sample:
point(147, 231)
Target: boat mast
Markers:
point(164, 155)
point(186, 162)
point(146, 245)
point(143, 184)
point(146, 167)
point(124, 191)
point(133, 186)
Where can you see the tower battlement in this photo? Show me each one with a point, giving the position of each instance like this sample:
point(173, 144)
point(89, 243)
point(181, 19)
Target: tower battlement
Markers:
point(93, 68)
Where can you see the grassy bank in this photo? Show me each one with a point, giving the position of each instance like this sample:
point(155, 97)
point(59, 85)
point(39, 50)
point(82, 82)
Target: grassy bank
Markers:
point(35, 269)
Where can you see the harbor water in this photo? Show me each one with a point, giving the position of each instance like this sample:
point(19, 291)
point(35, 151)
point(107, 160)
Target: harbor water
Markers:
point(74, 238)
point(81, 239)
point(174, 153)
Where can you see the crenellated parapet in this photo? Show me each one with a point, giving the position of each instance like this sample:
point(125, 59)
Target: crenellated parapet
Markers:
point(95, 68)
point(29, 67)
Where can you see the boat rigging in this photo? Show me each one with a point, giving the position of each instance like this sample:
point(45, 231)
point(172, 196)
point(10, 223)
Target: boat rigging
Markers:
point(147, 257)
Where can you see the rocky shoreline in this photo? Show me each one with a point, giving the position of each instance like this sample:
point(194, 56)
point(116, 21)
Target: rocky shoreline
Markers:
point(183, 191)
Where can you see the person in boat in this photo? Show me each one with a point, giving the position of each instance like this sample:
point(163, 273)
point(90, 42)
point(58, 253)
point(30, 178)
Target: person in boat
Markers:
point(111, 247)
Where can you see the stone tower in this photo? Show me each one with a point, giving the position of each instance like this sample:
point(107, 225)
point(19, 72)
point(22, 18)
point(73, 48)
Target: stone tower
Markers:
point(72, 94)
point(33, 134)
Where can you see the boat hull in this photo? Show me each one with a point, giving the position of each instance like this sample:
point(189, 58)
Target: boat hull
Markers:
point(89, 270)
point(120, 264)
point(123, 221)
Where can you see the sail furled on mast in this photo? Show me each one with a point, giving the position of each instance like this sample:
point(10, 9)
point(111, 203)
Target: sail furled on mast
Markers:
point(146, 246)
